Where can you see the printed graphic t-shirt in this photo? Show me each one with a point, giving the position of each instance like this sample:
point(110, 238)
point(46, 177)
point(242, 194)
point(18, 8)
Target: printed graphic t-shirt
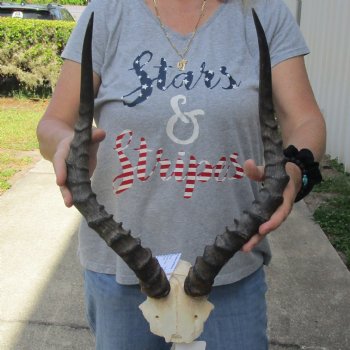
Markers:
point(170, 167)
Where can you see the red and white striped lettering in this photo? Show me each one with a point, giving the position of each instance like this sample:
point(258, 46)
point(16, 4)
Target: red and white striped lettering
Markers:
point(219, 171)
point(142, 162)
point(179, 168)
point(164, 166)
point(191, 177)
point(127, 176)
point(206, 174)
point(239, 170)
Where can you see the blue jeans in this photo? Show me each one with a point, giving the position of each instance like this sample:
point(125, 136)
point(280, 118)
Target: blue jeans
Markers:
point(238, 322)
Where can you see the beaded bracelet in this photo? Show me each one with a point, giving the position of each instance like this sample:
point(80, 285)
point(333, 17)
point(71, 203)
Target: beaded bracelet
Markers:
point(310, 171)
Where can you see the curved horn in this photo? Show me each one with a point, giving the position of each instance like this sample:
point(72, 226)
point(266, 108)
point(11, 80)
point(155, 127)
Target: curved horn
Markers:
point(201, 276)
point(152, 278)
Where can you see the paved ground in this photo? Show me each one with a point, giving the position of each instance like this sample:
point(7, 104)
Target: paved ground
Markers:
point(75, 10)
point(40, 279)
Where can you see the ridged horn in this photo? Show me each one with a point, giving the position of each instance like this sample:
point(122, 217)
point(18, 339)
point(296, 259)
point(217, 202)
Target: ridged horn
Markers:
point(201, 276)
point(152, 278)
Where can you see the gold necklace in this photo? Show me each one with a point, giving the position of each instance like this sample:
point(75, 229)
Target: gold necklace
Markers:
point(181, 65)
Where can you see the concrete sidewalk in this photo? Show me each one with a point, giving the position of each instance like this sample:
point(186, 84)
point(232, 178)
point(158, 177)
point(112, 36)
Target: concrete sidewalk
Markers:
point(75, 11)
point(41, 305)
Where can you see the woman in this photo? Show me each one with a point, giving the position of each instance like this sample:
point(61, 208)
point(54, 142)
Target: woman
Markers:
point(176, 86)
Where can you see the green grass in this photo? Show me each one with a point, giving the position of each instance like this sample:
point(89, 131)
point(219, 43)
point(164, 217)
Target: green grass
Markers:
point(338, 183)
point(17, 129)
point(18, 121)
point(9, 166)
point(334, 214)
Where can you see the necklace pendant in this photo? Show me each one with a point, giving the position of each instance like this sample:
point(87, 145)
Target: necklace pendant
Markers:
point(181, 65)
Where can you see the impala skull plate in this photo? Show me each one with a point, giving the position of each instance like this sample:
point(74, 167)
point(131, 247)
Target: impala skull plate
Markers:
point(178, 317)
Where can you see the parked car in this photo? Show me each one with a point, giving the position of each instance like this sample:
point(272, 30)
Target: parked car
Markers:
point(35, 11)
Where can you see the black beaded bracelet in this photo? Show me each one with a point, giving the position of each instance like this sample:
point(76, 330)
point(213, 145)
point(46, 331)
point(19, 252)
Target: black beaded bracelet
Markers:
point(310, 171)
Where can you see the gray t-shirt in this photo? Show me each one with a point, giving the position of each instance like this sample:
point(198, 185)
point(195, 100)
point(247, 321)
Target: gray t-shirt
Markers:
point(170, 167)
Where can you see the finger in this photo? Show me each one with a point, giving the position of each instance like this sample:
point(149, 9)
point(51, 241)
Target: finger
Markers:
point(280, 215)
point(98, 135)
point(60, 168)
point(275, 221)
point(67, 196)
point(59, 160)
point(253, 171)
point(253, 242)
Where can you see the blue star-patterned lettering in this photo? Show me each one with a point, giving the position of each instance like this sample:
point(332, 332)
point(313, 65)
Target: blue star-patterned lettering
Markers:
point(208, 77)
point(162, 74)
point(145, 81)
point(164, 78)
point(233, 84)
point(188, 80)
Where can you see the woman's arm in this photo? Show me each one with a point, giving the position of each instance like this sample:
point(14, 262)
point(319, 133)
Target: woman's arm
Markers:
point(56, 128)
point(301, 121)
point(302, 125)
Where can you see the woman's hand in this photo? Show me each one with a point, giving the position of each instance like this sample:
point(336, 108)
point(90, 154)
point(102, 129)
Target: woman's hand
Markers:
point(256, 173)
point(59, 161)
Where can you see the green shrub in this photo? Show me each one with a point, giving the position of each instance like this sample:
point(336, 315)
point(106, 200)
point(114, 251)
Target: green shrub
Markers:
point(28, 32)
point(72, 2)
point(30, 55)
point(33, 71)
point(61, 2)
